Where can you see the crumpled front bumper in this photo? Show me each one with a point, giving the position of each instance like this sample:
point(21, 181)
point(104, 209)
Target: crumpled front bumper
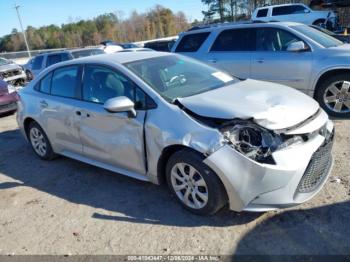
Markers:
point(253, 186)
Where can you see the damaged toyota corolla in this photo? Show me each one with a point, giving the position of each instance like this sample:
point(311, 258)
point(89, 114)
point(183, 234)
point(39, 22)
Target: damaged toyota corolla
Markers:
point(213, 138)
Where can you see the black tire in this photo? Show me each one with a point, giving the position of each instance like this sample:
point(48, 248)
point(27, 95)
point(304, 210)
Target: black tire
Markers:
point(319, 22)
point(49, 154)
point(322, 89)
point(216, 195)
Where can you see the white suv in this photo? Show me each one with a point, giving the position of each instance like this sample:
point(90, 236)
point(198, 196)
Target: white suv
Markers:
point(293, 13)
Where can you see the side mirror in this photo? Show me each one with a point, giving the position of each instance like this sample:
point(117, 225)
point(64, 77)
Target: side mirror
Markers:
point(306, 11)
point(298, 46)
point(120, 104)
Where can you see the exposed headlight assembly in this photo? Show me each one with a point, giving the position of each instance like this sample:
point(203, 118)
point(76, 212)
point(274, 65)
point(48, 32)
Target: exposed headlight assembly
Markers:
point(256, 142)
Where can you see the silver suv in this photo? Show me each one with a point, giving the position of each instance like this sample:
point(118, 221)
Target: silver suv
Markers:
point(288, 53)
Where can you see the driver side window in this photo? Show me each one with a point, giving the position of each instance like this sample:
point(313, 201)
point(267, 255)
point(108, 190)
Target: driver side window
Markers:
point(274, 39)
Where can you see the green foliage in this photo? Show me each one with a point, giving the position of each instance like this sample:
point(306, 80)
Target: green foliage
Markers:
point(229, 10)
point(157, 22)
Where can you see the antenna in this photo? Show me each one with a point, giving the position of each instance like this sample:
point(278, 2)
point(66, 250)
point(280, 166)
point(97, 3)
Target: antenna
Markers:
point(23, 32)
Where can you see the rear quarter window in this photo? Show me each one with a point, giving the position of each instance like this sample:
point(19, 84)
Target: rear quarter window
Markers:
point(262, 12)
point(192, 42)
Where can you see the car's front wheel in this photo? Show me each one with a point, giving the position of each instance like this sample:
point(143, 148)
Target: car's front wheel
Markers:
point(39, 141)
point(334, 95)
point(194, 184)
point(29, 75)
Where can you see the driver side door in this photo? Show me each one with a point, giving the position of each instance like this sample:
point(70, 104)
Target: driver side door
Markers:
point(114, 141)
point(272, 62)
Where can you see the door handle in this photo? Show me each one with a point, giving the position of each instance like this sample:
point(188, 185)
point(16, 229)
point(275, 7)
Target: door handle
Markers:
point(82, 113)
point(214, 60)
point(43, 104)
point(260, 61)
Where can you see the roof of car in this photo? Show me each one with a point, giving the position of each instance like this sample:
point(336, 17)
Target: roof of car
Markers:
point(207, 28)
point(119, 57)
point(280, 5)
point(67, 51)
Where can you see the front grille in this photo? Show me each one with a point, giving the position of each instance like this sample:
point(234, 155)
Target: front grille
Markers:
point(11, 73)
point(318, 168)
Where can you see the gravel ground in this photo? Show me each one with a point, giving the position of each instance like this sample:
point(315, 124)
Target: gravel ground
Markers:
point(67, 207)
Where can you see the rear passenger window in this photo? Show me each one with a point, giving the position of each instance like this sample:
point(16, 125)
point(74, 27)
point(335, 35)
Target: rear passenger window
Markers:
point(53, 59)
point(45, 84)
point(262, 12)
point(192, 42)
point(64, 81)
point(235, 40)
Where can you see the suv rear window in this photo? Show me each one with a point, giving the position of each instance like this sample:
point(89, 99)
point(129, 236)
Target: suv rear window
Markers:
point(235, 40)
point(287, 10)
point(192, 42)
point(262, 12)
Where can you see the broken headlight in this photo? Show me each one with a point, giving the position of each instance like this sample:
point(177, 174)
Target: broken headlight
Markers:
point(256, 142)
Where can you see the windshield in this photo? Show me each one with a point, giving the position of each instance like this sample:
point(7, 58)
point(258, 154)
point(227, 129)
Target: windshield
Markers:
point(88, 52)
point(4, 61)
point(176, 76)
point(318, 36)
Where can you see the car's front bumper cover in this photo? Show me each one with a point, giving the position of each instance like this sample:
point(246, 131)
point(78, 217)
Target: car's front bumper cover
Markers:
point(253, 186)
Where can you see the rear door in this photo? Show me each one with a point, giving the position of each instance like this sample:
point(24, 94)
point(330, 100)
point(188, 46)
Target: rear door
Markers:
point(58, 108)
point(231, 51)
point(272, 62)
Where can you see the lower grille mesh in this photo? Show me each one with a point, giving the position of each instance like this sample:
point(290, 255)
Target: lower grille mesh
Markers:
point(317, 169)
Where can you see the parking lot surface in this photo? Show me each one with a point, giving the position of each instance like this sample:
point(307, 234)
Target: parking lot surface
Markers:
point(68, 207)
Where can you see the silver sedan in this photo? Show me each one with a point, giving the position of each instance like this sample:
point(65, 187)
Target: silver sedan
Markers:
point(157, 117)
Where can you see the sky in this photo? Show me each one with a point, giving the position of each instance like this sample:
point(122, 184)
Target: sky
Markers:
point(45, 12)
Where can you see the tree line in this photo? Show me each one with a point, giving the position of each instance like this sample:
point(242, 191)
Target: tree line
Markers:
point(231, 10)
point(155, 23)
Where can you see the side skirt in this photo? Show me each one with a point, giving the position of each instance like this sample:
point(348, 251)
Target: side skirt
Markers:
point(105, 166)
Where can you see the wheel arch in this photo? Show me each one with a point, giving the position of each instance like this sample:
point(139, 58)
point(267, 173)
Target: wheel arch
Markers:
point(167, 152)
point(319, 20)
point(26, 124)
point(329, 73)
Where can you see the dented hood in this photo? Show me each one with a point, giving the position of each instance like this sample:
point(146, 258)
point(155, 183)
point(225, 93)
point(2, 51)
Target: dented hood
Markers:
point(270, 105)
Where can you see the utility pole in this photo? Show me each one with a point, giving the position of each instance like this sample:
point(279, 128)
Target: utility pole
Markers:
point(23, 32)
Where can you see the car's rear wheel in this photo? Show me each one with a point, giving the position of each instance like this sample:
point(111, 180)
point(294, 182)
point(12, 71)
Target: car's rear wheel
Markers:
point(319, 22)
point(334, 95)
point(194, 184)
point(39, 141)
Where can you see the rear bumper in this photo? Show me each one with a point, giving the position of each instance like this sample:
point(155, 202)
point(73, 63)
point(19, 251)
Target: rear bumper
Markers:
point(8, 102)
point(253, 186)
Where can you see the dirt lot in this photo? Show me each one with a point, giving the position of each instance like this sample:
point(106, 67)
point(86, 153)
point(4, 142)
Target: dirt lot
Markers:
point(67, 207)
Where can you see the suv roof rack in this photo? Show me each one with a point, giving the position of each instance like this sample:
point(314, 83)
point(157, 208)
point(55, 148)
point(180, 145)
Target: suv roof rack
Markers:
point(198, 27)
